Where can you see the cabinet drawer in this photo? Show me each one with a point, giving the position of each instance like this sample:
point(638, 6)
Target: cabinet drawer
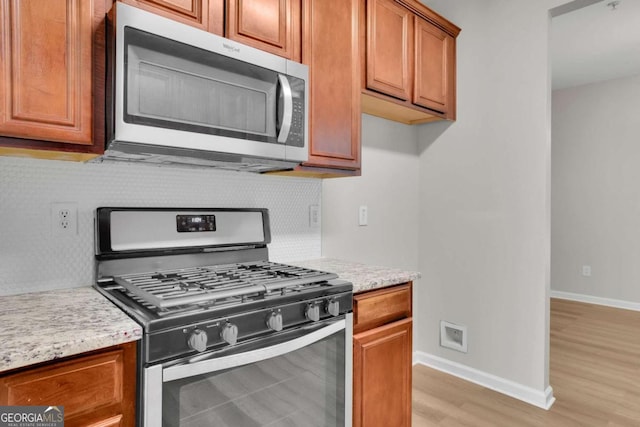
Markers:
point(97, 380)
point(96, 390)
point(375, 308)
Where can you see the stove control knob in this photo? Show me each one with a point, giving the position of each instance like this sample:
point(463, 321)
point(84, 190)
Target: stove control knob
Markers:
point(198, 340)
point(333, 307)
point(274, 321)
point(229, 333)
point(313, 312)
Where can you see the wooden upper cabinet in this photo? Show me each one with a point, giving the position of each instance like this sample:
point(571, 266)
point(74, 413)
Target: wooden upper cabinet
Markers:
point(389, 44)
point(330, 49)
point(207, 15)
point(52, 78)
point(410, 62)
point(269, 25)
point(434, 58)
point(45, 72)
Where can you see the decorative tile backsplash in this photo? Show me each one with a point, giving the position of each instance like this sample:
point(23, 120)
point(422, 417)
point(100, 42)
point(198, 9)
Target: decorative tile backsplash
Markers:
point(33, 259)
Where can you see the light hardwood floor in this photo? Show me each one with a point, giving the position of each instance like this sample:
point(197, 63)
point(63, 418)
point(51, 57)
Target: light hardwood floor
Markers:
point(594, 372)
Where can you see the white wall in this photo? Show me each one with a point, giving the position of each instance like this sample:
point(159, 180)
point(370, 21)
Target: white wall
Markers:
point(389, 188)
point(482, 192)
point(596, 189)
point(484, 196)
point(32, 259)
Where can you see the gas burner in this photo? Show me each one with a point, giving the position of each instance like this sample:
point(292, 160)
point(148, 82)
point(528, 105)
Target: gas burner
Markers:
point(208, 284)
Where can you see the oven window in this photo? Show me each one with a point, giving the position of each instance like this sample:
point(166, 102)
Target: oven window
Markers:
point(301, 388)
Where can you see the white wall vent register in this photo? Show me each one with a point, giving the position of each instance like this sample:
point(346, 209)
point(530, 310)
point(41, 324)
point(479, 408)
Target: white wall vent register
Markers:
point(453, 336)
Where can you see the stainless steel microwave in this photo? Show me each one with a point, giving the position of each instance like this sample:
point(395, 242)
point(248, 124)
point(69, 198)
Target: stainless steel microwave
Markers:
point(180, 95)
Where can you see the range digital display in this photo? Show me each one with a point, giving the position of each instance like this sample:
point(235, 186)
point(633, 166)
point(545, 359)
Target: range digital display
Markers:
point(195, 223)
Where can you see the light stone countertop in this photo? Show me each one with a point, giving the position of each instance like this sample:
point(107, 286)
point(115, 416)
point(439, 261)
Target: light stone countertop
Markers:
point(44, 326)
point(364, 277)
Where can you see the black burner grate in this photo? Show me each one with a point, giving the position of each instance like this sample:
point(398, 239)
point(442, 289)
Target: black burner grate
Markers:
point(196, 285)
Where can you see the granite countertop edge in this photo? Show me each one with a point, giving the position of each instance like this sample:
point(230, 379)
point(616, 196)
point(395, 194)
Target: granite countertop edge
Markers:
point(365, 277)
point(44, 326)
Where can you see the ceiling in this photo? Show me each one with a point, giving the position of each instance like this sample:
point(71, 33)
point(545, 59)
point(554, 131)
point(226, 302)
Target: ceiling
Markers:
point(595, 43)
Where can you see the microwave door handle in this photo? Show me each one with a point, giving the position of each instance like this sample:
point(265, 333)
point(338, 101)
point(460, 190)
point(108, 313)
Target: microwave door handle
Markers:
point(287, 113)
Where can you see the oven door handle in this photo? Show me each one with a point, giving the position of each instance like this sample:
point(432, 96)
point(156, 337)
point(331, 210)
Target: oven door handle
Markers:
point(231, 361)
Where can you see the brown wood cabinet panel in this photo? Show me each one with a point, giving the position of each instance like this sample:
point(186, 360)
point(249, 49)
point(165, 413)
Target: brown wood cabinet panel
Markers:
point(207, 15)
point(98, 389)
point(52, 78)
point(433, 56)
point(382, 376)
point(331, 51)
point(270, 25)
point(425, 52)
point(116, 421)
point(45, 73)
point(389, 47)
point(377, 307)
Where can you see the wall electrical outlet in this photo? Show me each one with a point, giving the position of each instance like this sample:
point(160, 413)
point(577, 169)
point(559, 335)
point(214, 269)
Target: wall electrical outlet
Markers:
point(586, 270)
point(64, 218)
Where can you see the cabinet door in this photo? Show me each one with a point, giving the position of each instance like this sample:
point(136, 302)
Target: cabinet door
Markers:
point(46, 70)
point(95, 390)
point(207, 15)
point(382, 376)
point(389, 44)
point(434, 56)
point(331, 51)
point(270, 25)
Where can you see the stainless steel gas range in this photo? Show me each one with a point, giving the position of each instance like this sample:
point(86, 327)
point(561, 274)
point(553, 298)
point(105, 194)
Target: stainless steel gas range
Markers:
point(230, 339)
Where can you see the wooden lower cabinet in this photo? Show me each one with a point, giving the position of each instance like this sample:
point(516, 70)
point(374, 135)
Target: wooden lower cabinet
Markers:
point(97, 389)
point(382, 376)
point(382, 357)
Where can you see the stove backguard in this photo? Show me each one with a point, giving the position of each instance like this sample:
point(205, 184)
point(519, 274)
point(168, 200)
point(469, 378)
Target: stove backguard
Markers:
point(139, 232)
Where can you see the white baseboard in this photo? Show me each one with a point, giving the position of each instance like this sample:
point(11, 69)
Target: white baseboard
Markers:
point(541, 399)
point(627, 305)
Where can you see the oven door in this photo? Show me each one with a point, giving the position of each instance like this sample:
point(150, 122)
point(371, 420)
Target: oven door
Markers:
point(300, 377)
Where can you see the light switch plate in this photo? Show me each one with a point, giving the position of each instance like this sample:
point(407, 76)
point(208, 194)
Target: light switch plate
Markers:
point(314, 216)
point(363, 215)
